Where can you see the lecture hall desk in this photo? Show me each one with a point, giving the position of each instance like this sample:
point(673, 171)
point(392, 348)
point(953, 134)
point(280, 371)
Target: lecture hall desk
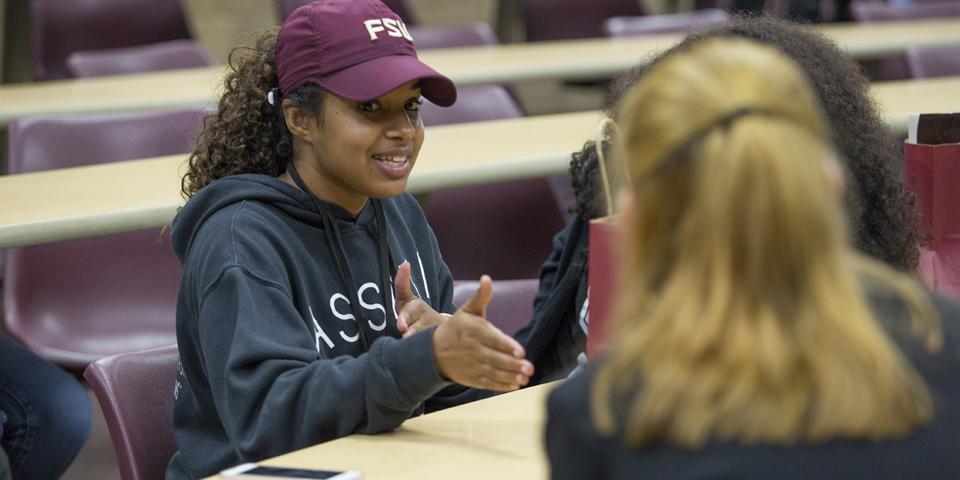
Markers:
point(117, 197)
point(495, 438)
point(111, 198)
point(577, 59)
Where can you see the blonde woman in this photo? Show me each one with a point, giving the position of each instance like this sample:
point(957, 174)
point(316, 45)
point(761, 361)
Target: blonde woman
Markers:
point(753, 342)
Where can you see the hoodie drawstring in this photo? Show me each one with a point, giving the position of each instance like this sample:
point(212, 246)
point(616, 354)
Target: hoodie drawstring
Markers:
point(343, 265)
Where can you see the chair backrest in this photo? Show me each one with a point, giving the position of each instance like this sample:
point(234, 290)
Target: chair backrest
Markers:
point(397, 6)
point(503, 229)
point(474, 104)
point(895, 68)
point(671, 23)
point(63, 27)
point(136, 392)
point(451, 36)
point(866, 11)
point(511, 307)
point(146, 58)
point(933, 62)
point(78, 300)
point(567, 19)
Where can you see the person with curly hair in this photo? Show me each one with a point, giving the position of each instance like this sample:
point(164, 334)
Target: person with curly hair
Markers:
point(750, 340)
point(882, 214)
point(309, 273)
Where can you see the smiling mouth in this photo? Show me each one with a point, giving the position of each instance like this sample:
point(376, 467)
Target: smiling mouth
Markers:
point(396, 161)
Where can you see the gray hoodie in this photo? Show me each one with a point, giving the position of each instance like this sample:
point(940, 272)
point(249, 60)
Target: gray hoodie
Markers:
point(270, 360)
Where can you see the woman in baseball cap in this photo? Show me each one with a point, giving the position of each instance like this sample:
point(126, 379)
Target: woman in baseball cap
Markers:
point(308, 272)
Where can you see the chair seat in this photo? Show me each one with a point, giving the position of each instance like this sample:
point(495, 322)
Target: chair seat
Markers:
point(72, 302)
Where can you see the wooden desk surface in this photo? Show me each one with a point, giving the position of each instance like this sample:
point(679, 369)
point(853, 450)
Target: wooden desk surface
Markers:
point(118, 197)
point(111, 198)
point(899, 99)
point(496, 438)
point(590, 58)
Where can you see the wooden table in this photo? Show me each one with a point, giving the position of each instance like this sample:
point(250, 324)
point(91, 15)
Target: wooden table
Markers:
point(111, 198)
point(578, 59)
point(899, 99)
point(496, 438)
point(118, 197)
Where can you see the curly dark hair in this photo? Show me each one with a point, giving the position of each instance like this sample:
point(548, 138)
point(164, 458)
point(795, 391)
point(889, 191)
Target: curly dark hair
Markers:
point(247, 134)
point(882, 214)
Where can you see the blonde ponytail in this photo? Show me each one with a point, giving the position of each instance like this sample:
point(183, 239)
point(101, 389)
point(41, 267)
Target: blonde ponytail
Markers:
point(741, 314)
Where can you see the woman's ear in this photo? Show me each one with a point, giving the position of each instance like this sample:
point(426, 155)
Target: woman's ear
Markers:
point(298, 121)
point(838, 185)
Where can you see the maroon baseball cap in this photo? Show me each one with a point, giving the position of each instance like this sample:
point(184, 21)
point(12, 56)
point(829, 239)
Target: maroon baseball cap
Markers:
point(357, 49)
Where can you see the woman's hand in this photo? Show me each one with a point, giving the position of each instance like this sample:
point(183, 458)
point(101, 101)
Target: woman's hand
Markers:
point(471, 351)
point(413, 315)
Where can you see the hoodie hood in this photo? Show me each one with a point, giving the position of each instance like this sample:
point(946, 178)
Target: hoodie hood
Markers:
point(272, 191)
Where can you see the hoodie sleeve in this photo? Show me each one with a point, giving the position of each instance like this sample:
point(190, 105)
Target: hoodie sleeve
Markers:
point(266, 376)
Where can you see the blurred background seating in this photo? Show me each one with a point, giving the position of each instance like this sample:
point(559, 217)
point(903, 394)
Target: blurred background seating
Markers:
point(78, 300)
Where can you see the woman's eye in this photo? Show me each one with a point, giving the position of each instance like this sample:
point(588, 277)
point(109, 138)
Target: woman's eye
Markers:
point(368, 106)
point(414, 105)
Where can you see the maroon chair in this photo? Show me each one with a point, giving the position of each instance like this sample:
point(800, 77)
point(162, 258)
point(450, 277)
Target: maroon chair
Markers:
point(146, 58)
point(451, 36)
point(504, 229)
point(867, 11)
point(474, 104)
point(75, 301)
point(136, 392)
point(60, 28)
point(655, 24)
point(933, 62)
point(397, 6)
point(568, 19)
point(895, 68)
point(510, 308)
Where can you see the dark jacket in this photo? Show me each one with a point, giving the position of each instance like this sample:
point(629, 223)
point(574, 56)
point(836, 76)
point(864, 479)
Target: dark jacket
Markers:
point(270, 356)
point(577, 451)
point(556, 334)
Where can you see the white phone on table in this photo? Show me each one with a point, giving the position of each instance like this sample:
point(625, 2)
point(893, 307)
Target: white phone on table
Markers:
point(253, 471)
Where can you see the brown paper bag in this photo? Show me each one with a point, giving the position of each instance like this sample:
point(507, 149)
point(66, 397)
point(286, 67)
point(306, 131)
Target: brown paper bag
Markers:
point(603, 274)
point(602, 279)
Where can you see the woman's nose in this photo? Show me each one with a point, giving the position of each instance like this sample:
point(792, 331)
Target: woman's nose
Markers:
point(404, 126)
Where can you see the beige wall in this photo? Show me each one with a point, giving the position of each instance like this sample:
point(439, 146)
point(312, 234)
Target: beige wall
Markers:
point(222, 24)
point(448, 12)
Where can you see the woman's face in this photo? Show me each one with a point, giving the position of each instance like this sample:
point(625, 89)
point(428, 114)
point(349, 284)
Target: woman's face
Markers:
point(358, 150)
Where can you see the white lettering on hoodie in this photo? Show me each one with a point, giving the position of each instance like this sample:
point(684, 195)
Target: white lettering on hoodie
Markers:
point(319, 332)
point(345, 313)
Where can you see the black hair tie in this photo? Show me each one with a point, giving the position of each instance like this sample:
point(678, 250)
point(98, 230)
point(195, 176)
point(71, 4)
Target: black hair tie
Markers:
point(724, 122)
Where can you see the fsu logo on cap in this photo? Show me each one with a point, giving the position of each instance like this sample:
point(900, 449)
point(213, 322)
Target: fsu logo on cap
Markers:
point(394, 28)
